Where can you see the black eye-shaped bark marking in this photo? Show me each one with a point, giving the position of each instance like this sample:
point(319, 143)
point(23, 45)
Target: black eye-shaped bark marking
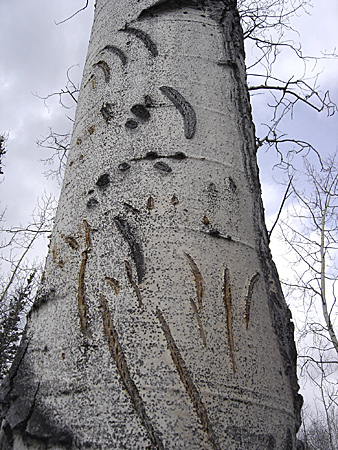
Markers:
point(151, 155)
point(124, 166)
point(178, 155)
point(106, 70)
point(107, 111)
point(144, 37)
point(141, 112)
point(131, 124)
point(184, 107)
point(103, 180)
point(117, 51)
point(163, 167)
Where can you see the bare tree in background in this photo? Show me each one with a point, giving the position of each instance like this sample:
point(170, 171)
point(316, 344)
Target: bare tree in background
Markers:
point(311, 232)
point(20, 276)
point(3, 139)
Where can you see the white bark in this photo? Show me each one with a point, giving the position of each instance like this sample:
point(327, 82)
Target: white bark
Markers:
point(160, 322)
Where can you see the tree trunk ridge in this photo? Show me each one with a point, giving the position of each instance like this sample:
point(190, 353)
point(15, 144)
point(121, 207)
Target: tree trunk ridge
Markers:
point(160, 322)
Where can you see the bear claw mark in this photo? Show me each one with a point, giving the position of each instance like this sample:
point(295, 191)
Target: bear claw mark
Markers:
point(129, 273)
point(187, 381)
point(135, 247)
point(81, 300)
point(106, 70)
point(120, 360)
point(227, 297)
point(199, 322)
point(118, 52)
point(198, 279)
point(144, 37)
point(248, 298)
point(184, 107)
point(113, 283)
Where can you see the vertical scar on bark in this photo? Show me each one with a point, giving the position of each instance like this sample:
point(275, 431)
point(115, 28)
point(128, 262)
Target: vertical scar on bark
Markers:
point(184, 107)
point(248, 298)
point(105, 68)
point(135, 247)
point(113, 283)
point(187, 381)
point(227, 297)
point(199, 322)
point(54, 252)
point(87, 233)
point(144, 37)
point(132, 282)
point(117, 353)
point(81, 301)
point(150, 203)
point(198, 279)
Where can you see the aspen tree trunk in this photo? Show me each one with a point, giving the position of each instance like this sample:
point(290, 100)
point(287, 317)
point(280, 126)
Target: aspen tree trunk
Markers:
point(160, 322)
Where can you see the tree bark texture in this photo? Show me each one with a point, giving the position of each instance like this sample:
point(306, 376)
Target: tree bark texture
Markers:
point(160, 322)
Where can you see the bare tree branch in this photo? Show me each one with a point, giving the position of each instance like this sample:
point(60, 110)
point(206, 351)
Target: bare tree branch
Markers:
point(73, 15)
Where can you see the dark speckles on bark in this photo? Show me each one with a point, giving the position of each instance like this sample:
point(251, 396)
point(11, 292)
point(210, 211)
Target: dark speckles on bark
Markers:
point(92, 202)
point(249, 440)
